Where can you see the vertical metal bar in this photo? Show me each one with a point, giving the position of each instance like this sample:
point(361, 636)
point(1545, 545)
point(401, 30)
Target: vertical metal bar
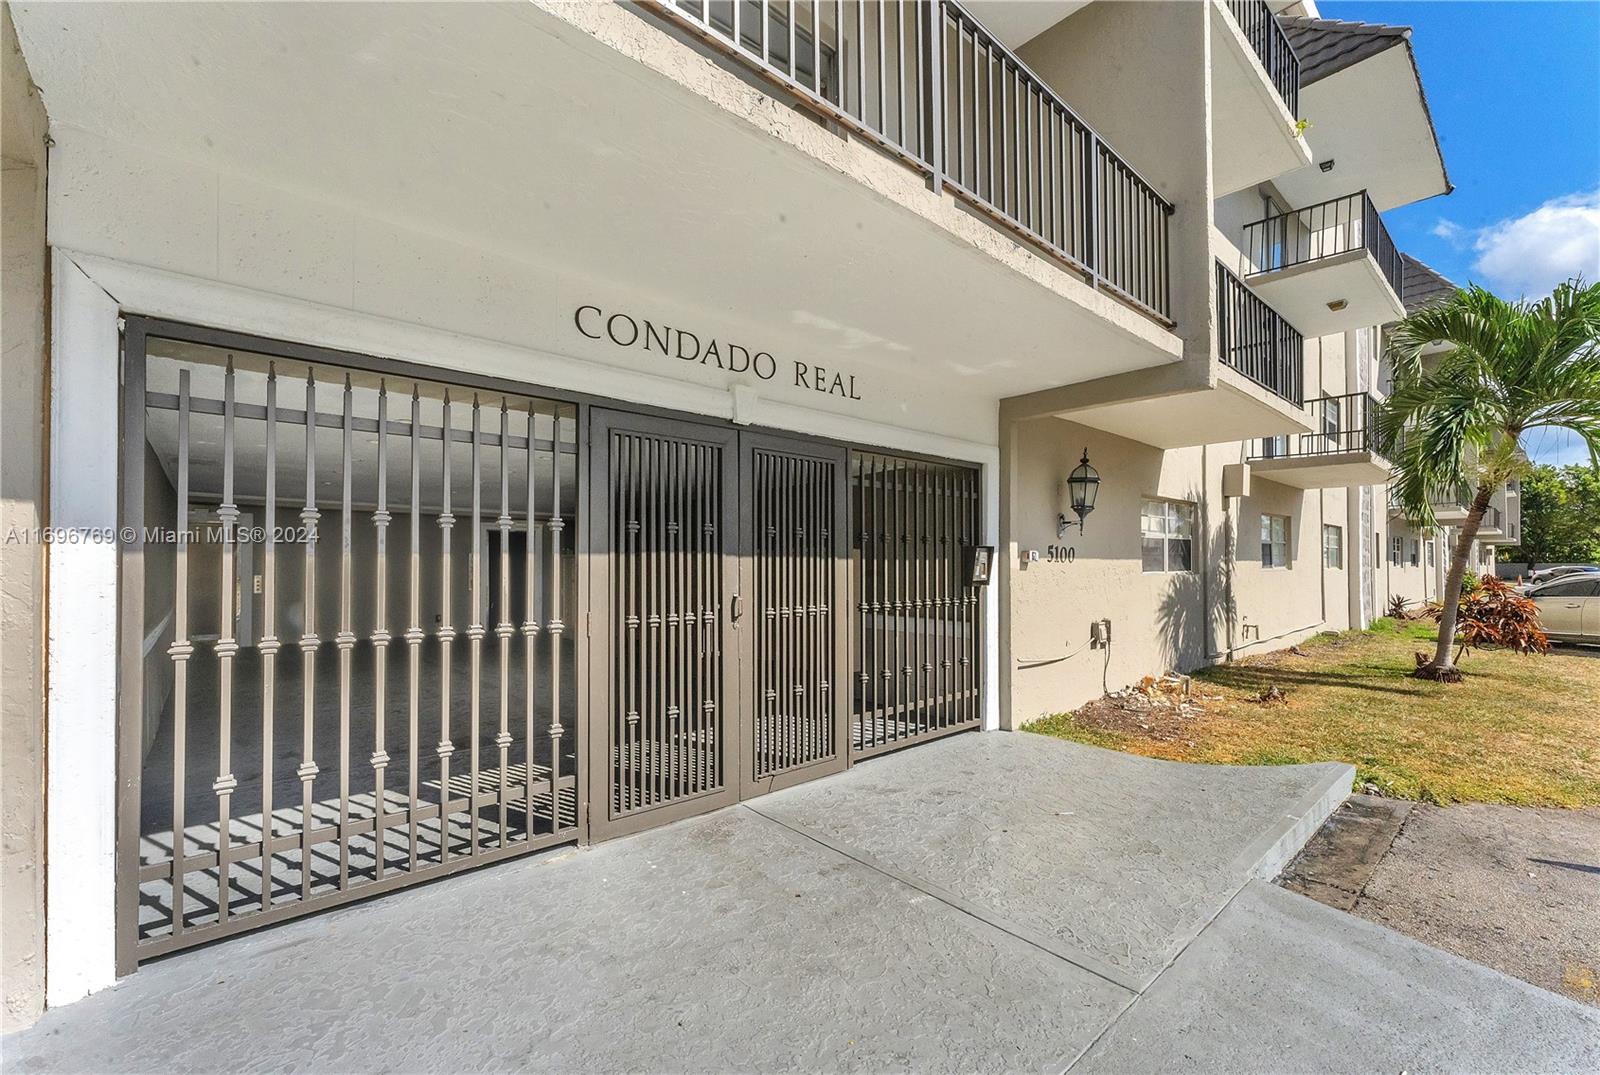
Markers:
point(924, 588)
point(941, 594)
point(840, 70)
point(446, 635)
point(856, 683)
point(900, 67)
point(669, 620)
point(627, 448)
point(649, 624)
point(1096, 251)
point(861, 59)
point(346, 639)
point(870, 545)
point(309, 641)
point(883, 606)
point(675, 613)
point(789, 659)
point(699, 624)
point(269, 645)
point(903, 592)
point(530, 632)
point(180, 651)
point(414, 635)
point(226, 648)
point(503, 629)
point(883, 117)
point(475, 631)
point(937, 81)
point(960, 170)
point(380, 638)
point(816, 47)
point(556, 624)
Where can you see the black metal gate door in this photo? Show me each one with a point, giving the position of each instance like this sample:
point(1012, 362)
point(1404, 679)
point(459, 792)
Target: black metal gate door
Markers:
point(665, 676)
point(796, 556)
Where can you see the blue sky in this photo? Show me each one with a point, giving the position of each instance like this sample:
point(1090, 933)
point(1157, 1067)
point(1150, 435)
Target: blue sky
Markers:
point(1515, 93)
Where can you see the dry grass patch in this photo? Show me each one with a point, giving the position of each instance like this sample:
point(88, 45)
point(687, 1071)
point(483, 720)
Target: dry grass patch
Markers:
point(1523, 730)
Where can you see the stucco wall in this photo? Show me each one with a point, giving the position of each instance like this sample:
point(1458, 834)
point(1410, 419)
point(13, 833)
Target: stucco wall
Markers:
point(1159, 620)
point(22, 243)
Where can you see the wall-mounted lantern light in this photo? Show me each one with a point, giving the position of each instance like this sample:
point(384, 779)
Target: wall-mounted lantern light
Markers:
point(1082, 487)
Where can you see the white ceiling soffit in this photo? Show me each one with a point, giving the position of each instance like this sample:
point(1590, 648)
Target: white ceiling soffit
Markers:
point(1016, 22)
point(503, 129)
point(1371, 120)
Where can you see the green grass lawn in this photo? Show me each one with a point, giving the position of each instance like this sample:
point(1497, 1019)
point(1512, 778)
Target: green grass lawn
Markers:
point(1520, 729)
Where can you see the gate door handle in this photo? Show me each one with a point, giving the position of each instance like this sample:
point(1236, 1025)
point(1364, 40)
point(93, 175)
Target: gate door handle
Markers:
point(738, 607)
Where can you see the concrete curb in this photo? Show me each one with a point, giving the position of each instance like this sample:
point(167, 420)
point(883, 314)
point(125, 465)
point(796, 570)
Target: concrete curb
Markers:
point(1269, 853)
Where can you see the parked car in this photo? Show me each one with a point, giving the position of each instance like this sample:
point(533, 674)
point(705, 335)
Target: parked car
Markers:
point(1549, 575)
point(1569, 607)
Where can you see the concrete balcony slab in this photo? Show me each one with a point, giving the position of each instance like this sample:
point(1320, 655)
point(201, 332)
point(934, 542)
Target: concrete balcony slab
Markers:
point(1328, 470)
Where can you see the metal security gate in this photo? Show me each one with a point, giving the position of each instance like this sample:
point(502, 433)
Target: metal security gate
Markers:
point(665, 675)
point(919, 631)
point(796, 555)
point(727, 580)
point(350, 596)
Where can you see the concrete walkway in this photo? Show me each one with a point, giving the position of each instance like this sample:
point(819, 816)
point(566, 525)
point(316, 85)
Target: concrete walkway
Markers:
point(989, 902)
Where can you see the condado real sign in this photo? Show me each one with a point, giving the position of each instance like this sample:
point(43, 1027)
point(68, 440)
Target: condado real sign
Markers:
point(625, 330)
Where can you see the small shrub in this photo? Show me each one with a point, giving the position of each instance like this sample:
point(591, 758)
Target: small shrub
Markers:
point(1494, 614)
point(1471, 583)
point(1397, 607)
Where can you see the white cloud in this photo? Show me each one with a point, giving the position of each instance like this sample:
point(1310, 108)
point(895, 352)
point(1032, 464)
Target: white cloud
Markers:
point(1452, 233)
point(1530, 254)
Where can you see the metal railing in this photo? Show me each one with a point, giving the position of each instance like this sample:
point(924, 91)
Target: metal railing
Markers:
point(1272, 48)
point(1254, 339)
point(1319, 231)
point(927, 82)
point(1459, 500)
point(1346, 423)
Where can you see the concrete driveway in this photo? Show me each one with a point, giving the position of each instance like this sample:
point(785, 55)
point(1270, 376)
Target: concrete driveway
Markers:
point(989, 902)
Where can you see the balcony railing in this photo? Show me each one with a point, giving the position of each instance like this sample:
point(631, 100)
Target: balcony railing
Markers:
point(1272, 48)
point(1347, 423)
point(1255, 340)
point(928, 83)
point(1320, 231)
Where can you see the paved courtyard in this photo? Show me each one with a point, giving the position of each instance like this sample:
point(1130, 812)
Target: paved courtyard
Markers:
point(989, 902)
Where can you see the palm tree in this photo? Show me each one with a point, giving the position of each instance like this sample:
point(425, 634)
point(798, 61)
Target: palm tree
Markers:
point(1455, 418)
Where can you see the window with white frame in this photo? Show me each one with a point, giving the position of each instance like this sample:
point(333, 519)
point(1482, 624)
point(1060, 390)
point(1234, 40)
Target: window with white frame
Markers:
point(1274, 541)
point(1430, 552)
point(1397, 551)
point(1167, 530)
point(1332, 546)
point(1416, 552)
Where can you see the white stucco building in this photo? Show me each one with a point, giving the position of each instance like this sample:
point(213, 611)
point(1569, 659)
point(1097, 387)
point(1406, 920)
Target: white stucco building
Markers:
point(482, 427)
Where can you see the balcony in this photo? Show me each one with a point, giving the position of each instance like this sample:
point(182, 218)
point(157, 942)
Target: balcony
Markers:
point(931, 86)
point(1452, 509)
point(1256, 341)
point(1255, 97)
point(1342, 454)
point(1493, 525)
point(1328, 267)
point(1271, 45)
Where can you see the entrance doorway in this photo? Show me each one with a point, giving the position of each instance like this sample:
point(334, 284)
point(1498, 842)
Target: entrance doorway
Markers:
point(773, 608)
